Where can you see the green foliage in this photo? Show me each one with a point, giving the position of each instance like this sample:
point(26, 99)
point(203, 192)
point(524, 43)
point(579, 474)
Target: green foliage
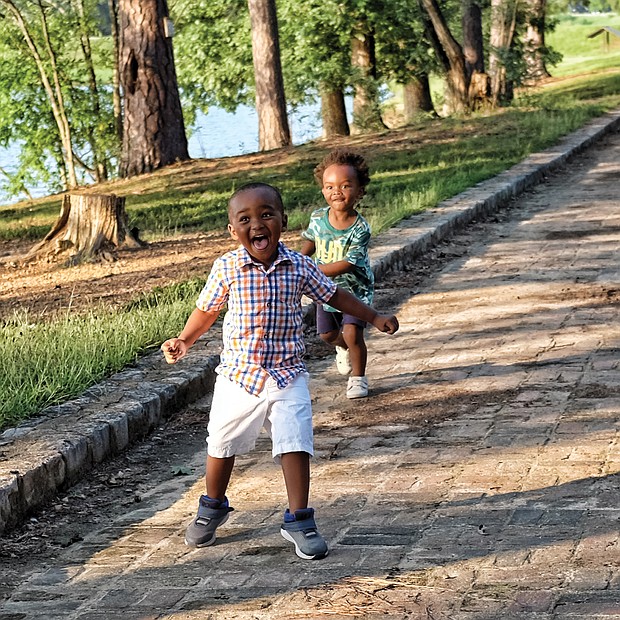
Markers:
point(26, 114)
point(403, 48)
point(315, 49)
point(213, 50)
point(214, 54)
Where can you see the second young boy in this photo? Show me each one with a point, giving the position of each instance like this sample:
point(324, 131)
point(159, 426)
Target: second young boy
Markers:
point(338, 238)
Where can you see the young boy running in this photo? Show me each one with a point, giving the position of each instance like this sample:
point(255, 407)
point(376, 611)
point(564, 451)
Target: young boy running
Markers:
point(262, 380)
point(338, 237)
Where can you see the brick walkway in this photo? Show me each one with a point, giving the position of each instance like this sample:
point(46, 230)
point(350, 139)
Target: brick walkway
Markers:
point(480, 481)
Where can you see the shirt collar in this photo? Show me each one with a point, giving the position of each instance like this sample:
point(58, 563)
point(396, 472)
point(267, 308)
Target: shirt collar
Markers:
point(244, 258)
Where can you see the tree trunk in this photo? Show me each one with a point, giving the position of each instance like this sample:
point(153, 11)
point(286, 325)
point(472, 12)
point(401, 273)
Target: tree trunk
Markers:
point(473, 50)
point(479, 89)
point(366, 105)
point(456, 73)
point(89, 226)
point(273, 127)
point(503, 13)
point(534, 41)
point(154, 131)
point(99, 162)
point(116, 78)
point(333, 112)
point(417, 99)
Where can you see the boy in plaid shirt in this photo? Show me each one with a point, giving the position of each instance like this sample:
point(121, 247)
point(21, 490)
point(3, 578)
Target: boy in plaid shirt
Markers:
point(262, 379)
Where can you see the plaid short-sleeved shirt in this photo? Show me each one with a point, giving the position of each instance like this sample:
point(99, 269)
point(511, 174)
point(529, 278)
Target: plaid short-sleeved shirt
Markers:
point(263, 327)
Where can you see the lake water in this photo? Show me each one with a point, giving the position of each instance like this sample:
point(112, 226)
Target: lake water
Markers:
point(217, 134)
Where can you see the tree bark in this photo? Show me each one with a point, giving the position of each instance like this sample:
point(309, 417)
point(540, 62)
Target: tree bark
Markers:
point(116, 77)
point(90, 226)
point(99, 161)
point(333, 112)
point(473, 45)
point(473, 49)
point(273, 127)
point(453, 58)
point(503, 17)
point(534, 41)
point(417, 99)
point(366, 105)
point(154, 131)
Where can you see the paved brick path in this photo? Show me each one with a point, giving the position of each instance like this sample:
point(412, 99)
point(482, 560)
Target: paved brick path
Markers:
point(480, 481)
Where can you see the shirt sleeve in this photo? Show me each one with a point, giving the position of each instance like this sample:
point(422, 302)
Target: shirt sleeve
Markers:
point(214, 295)
point(310, 232)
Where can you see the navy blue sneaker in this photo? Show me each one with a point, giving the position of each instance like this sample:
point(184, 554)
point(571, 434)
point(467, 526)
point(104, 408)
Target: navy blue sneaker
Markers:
point(301, 530)
point(211, 514)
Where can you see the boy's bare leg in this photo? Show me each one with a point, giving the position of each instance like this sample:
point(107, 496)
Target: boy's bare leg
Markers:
point(218, 476)
point(353, 336)
point(296, 470)
point(334, 338)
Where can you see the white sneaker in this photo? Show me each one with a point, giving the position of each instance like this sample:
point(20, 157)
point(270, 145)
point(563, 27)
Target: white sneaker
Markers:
point(343, 363)
point(357, 387)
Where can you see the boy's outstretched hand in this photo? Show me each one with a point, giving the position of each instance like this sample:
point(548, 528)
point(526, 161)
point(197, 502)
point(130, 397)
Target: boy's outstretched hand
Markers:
point(386, 324)
point(174, 349)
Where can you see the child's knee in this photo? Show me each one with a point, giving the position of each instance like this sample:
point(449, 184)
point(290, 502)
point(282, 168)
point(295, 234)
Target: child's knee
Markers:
point(353, 334)
point(329, 337)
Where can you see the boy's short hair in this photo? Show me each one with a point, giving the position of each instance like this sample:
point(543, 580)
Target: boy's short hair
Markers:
point(259, 185)
point(344, 157)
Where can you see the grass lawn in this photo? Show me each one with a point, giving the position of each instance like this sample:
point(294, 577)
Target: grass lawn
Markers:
point(581, 54)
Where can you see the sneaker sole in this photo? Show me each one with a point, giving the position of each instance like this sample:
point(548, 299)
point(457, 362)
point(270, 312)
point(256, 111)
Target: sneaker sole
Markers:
point(298, 551)
point(209, 542)
point(352, 396)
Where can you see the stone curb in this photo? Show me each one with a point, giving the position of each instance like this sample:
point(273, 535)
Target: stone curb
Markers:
point(55, 450)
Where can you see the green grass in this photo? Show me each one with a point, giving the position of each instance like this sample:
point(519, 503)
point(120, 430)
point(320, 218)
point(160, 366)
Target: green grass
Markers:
point(43, 363)
point(164, 204)
point(581, 54)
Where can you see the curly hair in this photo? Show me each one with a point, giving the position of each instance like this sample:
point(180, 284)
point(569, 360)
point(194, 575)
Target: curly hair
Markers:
point(343, 157)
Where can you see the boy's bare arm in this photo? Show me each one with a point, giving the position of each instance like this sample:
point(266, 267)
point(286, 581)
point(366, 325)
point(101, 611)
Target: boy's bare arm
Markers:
point(349, 304)
point(337, 268)
point(308, 247)
point(198, 323)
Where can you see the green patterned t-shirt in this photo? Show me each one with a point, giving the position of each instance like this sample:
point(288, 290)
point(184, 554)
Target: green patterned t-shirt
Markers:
point(351, 244)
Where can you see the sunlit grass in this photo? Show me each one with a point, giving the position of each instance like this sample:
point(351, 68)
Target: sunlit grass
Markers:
point(471, 149)
point(580, 53)
point(44, 363)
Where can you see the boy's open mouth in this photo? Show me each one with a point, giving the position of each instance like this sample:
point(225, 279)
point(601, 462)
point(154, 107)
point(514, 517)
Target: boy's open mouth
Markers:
point(260, 242)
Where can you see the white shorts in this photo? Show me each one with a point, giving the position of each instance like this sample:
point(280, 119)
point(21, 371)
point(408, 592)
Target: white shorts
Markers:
point(237, 417)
